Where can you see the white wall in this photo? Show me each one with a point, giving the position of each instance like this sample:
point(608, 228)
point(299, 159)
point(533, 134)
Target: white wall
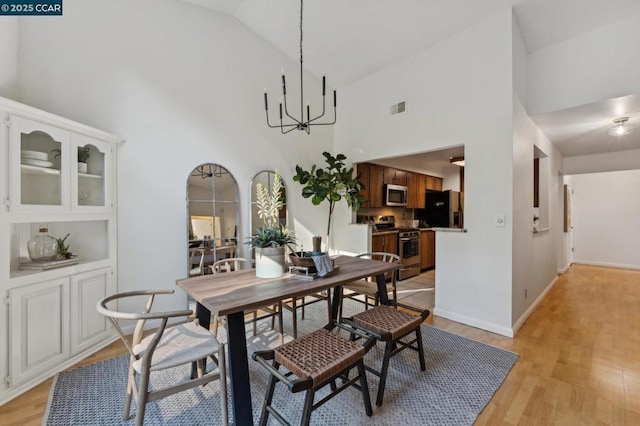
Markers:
point(606, 208)
point(535, 255)
point(598, 65)
point(606, 162)
point(460, 93)
point(9, 55)
point(184, 86)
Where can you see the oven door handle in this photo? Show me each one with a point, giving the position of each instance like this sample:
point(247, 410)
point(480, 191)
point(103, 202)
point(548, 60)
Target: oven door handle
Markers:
point(409, 239)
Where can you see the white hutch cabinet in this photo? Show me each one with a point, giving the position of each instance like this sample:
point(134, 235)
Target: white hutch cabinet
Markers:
point(49, 320)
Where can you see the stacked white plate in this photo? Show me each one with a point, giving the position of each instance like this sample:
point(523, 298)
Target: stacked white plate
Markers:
point(35, 158)
point(34, 155)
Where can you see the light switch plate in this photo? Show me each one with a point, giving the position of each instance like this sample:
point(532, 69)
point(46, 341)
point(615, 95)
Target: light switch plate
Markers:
point(500, 221)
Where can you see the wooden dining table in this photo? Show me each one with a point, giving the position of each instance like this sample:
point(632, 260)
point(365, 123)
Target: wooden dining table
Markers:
point(231, 294)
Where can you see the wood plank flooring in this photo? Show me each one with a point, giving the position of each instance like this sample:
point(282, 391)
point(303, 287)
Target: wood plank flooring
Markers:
point(579, 357)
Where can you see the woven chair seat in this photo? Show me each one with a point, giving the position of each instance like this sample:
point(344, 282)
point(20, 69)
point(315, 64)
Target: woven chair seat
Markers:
point(320, 355)
point(388, 322)
point(179, 345)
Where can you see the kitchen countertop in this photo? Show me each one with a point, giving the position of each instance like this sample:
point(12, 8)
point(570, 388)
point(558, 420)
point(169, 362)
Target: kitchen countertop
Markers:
point(384, 231)
point(450, 229)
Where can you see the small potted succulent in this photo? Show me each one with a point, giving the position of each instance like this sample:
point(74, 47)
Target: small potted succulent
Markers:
point(84, 152)
point(270, 239)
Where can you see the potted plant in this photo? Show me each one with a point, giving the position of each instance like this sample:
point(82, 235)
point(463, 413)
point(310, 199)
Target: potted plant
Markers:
point(333, 183)
point(84, 152)
point(270, 239)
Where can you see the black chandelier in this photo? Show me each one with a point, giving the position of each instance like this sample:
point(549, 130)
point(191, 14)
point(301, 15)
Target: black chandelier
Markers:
point(286, 127)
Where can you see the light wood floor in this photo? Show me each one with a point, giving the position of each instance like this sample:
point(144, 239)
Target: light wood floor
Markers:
point(579, 357)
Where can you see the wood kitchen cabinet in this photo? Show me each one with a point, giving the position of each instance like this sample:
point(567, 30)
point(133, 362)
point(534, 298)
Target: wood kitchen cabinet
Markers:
point(395, 176)
point(427, 249)
point(433, 183)
point(386, 243)
point(416, 184)
point(371, 176)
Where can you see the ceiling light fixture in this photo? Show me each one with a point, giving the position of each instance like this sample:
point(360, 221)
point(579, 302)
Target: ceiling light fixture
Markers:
point(620, 127)
point(299, 124)
point(458, 161)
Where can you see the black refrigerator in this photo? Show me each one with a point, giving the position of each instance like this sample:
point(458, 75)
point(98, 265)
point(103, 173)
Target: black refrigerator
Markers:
point(442, 209)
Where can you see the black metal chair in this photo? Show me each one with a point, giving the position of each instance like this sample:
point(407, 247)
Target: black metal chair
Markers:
point(390, 325)
point(316, 359)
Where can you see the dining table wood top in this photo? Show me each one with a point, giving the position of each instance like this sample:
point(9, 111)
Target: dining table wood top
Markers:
point(232, 292)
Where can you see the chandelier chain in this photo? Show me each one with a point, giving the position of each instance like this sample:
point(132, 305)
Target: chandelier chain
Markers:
point(300, 31)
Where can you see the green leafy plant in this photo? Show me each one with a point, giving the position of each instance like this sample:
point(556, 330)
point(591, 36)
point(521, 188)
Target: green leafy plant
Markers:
point(83, 153)
point(63, 249)
point(333, 183)
point(269, 203)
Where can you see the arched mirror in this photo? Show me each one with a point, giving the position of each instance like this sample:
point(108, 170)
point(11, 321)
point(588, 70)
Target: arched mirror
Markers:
point(213, 217)
point(265, 177)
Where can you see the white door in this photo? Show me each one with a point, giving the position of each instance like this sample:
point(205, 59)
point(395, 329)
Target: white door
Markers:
point(38, 328)
point(88, 327)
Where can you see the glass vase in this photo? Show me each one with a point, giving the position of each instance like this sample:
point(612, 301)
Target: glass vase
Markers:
point(42, 247)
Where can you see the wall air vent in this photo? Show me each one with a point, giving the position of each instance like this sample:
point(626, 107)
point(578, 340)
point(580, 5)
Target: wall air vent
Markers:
point(398, 108)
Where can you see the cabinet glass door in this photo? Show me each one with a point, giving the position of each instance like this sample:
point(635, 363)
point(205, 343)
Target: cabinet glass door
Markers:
point(90, 169)
point(40, 153)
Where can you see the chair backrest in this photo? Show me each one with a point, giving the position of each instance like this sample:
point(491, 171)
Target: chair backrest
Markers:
point(383, 257)
point(231, 264)
point(141, 317)
point(198, 270)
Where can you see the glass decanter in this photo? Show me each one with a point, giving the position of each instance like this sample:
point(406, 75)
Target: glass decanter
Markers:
point(42, 246)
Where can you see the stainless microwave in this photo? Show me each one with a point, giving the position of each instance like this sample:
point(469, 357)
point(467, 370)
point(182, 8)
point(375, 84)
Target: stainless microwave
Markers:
point(395, 195)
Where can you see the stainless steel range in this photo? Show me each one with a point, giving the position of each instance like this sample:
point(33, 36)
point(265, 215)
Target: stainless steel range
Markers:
point(409, 251)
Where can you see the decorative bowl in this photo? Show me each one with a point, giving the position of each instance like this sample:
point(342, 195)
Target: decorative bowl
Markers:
point(303, 259)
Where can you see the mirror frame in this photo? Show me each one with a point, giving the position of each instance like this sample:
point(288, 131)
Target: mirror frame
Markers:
point(235, 203)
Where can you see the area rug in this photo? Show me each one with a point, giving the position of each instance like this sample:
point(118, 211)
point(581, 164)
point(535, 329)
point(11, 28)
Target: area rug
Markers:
point(461, 377)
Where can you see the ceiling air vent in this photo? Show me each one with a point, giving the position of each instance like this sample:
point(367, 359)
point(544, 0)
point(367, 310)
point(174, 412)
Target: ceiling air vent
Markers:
point(398, 108)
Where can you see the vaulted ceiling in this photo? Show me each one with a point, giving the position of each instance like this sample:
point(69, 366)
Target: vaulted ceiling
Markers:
point(351, 39)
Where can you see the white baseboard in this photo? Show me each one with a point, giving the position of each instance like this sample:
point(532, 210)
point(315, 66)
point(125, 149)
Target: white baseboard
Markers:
point(533, 306)
point(607, 264)
point(453, 316)
point(20, 389)
point(563, 270)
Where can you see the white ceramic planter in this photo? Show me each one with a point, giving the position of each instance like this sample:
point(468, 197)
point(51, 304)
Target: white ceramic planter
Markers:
point(269, 262)
point(82, 167)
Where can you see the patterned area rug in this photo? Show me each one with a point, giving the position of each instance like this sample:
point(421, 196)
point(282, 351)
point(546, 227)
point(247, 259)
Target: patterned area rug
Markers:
point(461, 377)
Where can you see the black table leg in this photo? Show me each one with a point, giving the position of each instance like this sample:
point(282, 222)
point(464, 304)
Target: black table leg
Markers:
point(381, 280)
point(204, 318)
point(335, 302)
point(239, 370)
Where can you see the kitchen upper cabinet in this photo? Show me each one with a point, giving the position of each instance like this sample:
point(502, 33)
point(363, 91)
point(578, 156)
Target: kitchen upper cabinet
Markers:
point(372, 178)
point(417, 188)
point(434, 183)
point(427, 249)
point(395, 176)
